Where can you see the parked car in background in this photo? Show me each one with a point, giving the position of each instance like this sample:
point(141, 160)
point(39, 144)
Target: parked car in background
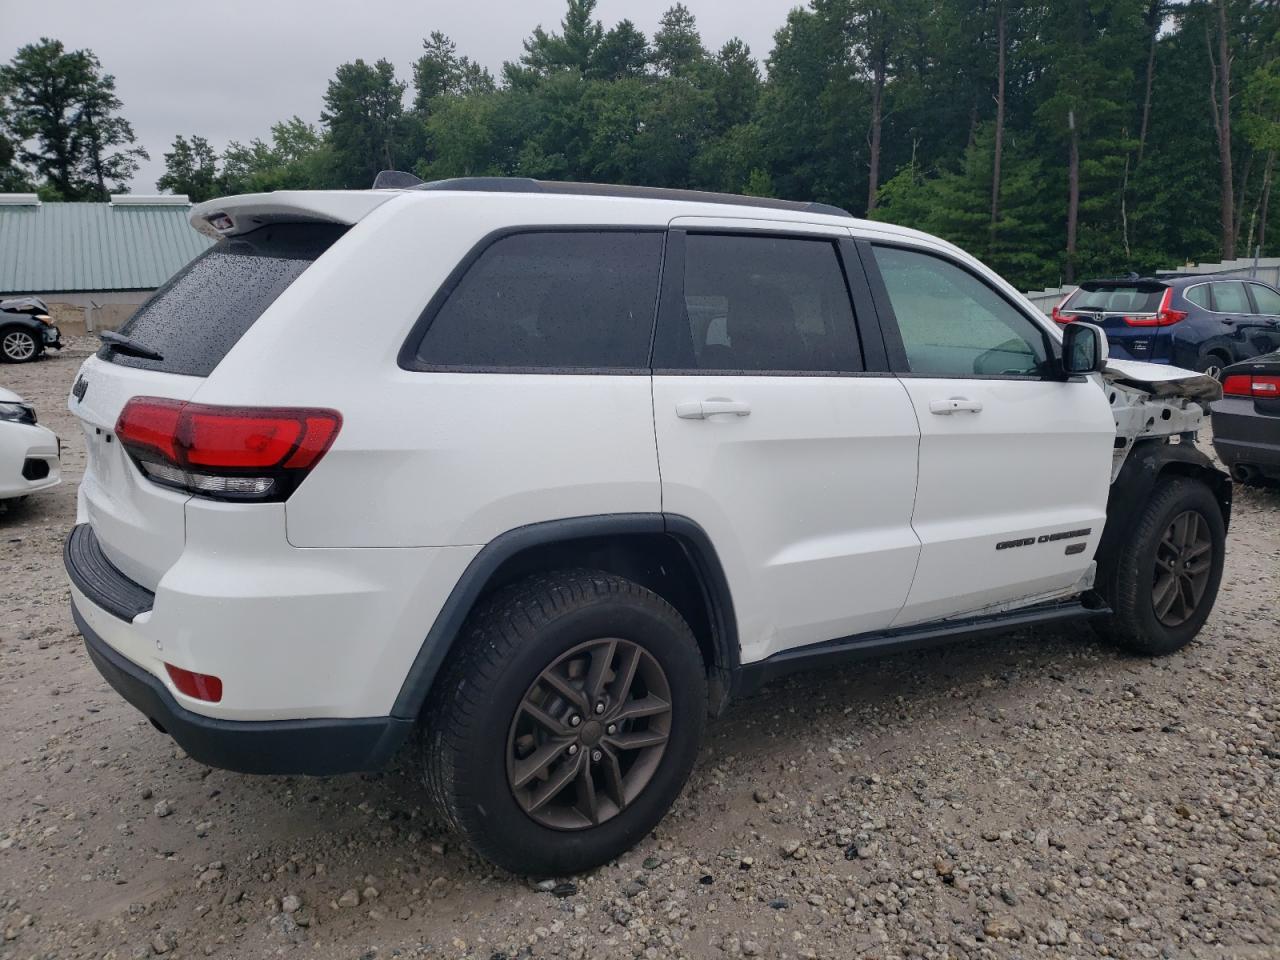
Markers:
point(29, 453)
point(1197, 321)
point(1246, 421)
point(26, 329)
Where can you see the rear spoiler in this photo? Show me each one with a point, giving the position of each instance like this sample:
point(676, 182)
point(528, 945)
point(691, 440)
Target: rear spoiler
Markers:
point(228, 216)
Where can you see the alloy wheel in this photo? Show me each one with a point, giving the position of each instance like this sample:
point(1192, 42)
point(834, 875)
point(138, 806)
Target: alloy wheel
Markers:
point(18, 345)
point(1184, 559)
point(589, 734)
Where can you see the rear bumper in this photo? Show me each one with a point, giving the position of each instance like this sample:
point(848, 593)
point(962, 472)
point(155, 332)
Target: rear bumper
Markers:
point(317, 747)
point(297, 665)
point(1242, 435)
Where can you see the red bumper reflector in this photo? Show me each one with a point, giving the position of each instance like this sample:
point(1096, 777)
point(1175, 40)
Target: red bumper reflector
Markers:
point(200, 686)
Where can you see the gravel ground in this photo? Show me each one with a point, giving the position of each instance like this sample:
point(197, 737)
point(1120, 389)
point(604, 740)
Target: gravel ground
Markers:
point(1032, 795)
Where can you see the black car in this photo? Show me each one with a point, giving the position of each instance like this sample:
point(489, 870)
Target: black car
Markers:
point(1246, 421)
point(26, 330)
point(1196, 321)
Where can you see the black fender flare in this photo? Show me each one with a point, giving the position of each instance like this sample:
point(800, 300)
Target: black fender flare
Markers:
point(476, 577)
point(1147, 462)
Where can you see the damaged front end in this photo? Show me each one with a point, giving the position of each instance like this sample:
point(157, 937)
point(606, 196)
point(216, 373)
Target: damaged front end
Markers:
point(1154, 402)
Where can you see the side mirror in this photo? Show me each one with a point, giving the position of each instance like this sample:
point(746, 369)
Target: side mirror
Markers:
point(1084, 348)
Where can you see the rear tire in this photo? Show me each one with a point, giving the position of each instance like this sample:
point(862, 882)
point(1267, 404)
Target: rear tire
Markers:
point(1168, 572)
point(1212, 364)
point(544, 668)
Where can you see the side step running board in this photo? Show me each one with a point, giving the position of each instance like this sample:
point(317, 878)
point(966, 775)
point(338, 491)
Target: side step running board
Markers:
point(752, 676)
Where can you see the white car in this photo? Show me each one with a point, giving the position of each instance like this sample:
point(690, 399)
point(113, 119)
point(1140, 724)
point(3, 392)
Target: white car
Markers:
point(29, 453)
point(592, 461)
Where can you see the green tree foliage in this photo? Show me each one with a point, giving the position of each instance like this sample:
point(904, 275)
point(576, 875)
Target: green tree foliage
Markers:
point(677, 46)
point(1106, 114)
point(440, 72)
point(62, 122)
point(297, 158)
point(191, 167)
point(365, 121)
point(622, 52)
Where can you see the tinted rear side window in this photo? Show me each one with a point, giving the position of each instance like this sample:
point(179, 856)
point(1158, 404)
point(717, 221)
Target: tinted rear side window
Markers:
point(1229, 297)
point(574, 300)
point(1266, 299)
point(195, 319)
point(1199, 295)
point(1135, 299)
point(767, 304)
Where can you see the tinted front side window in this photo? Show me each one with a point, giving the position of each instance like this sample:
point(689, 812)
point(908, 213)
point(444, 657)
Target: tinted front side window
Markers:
point(195, 319)
point(953, 324)
point(767, 303)
point(1229, 297)
point(551, 301)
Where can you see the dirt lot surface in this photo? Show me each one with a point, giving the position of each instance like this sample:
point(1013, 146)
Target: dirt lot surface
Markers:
point(1033, 795)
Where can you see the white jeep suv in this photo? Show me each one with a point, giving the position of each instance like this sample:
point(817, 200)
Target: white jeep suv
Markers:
point(536, 476)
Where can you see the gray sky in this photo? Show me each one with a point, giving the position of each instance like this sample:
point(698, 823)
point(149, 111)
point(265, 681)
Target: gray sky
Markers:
point(228, 70)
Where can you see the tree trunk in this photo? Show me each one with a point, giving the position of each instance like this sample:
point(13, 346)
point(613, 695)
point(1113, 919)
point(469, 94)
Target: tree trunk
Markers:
point(1153, 21)
point(1221, 93)
point(1073, 196)
point(877, 100)
point(1266, 198)
point(998, 152)
point(1242, 196)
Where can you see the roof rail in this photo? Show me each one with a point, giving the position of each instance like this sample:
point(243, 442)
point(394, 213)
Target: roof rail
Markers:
point(529, 185)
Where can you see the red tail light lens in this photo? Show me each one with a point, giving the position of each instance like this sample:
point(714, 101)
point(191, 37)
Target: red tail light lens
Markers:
point(227, 453)
point(1257, 385)
point(201, 686)
point(1163, 316)
point(1056, 313)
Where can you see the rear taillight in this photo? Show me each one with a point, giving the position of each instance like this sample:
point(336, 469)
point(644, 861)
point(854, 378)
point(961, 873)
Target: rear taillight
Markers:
point(1163, 317)
point(1056, 313)
point(1255, 385)
point(226, 453)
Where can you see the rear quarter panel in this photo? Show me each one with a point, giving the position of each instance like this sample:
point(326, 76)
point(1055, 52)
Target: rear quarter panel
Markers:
point(436, 459)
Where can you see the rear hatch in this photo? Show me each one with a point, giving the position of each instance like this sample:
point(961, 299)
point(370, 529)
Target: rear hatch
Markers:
point(174, 342)
point(1133, 312)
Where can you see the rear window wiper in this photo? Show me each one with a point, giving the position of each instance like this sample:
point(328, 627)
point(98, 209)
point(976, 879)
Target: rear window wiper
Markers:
point(125, 344)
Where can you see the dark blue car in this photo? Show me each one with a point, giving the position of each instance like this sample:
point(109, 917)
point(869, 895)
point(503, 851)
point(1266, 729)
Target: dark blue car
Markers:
point(1197, 321)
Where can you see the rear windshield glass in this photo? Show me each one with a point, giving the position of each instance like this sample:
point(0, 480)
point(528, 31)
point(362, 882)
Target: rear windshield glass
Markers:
point(1135, 299)
point(195, 319)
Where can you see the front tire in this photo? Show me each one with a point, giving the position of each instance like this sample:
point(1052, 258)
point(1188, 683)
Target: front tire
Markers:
point(18, 345)
point(566, 723)
point(1167, 574)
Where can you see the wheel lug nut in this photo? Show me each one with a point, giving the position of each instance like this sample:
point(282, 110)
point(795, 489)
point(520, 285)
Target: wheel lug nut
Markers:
point(612, 729)
point(600, 707)
point(596, 755)
point(575, 720)
point(573, 748)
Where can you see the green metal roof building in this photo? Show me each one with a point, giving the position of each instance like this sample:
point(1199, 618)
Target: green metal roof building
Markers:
point(103, 257)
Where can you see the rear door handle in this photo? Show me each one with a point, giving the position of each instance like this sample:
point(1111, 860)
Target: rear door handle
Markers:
point(701, 409)
point(952, 405)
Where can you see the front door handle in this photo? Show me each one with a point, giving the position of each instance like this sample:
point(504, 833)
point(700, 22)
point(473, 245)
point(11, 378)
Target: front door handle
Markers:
point(952, 405)
point(712, 406)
